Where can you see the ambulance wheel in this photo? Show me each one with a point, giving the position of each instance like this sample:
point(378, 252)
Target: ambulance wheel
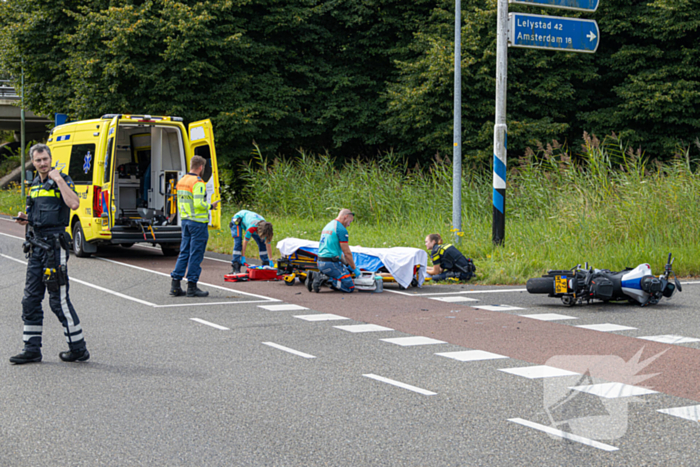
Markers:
point(169, 250)
point(79, 241)
point(126, 245)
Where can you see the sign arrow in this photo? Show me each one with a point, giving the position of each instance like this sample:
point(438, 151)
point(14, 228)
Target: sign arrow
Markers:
point(590, 36)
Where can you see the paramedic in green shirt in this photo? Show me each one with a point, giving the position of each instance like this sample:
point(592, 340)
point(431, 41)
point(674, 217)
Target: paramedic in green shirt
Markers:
point(247, 225)
point(335, 263)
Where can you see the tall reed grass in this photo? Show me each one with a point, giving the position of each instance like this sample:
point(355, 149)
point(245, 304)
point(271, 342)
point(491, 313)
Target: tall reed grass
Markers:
point(606, 204)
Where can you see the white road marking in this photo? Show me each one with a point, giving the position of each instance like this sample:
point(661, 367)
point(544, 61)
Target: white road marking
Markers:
point(613, 390)
point(97, 287)
point(205, 257)
point(138, 300)
point(691, 412)
point(453, 293)
point(399, 384)
point(548, 316)
point(176, 305)
point(287, 349)
point(284, 307)
point(363, 328)
point(12, 236)
point(471, 355)
point(270, 299)
point(607, 327)
point(670, 339)
point(539, 371)
point(412, 340)
point(201, 321)
point(564, 434)
point(454, 299)
point(497, 307)
point(321, 317)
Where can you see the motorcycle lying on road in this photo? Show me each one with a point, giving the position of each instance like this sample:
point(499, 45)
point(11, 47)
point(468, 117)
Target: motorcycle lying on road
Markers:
point(636, 285)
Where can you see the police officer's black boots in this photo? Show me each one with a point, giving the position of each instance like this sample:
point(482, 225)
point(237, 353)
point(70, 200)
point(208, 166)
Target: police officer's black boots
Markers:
point(235, 268)
point(74, 356)
point(193, 291)
point(176, 289)
point(26, 357)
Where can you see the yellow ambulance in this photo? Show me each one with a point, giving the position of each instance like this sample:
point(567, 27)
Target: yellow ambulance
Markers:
point(125, 169)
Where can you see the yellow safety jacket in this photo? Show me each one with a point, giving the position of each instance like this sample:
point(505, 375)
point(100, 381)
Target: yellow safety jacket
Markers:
point(45, 206)
point(192, 198)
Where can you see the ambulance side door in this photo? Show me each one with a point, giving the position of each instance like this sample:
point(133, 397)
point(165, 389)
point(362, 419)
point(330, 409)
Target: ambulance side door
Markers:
point(201, 136)
point(107, 195)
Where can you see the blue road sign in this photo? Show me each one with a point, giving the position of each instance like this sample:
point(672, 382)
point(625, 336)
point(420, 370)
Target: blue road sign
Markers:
point(578, 5)
point(553, 33)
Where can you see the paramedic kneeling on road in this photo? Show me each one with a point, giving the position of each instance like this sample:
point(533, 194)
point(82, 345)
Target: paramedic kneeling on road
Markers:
point(244, 226)
point(333, 256)
point(194, 211)
point(50, 200)
point(448, 261)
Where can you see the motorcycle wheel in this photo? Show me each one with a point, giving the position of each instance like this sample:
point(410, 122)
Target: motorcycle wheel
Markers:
point(540, 285)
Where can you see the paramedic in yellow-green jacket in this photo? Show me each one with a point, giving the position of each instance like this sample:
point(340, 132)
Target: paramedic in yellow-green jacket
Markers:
point(194, 214)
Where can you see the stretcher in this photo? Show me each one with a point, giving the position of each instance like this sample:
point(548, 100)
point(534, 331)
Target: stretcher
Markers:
point(402, 265)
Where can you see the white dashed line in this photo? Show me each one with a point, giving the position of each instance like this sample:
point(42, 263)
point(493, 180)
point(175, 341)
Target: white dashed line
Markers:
point(548, 317)
point(564, 434)
point(455, 299)
point(201, 321)
point(399, 384)
point(497, 307)
point(613, 390)
point(670, 339)
point(540, 371)
point(363, 328)
point(287, 349)
point(607, 327)
point(471, 355)
point(321, 317)
point(691, 412)
point(284, 307)
point(413, 340)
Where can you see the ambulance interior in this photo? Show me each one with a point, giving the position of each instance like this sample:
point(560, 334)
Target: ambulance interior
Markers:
point(149, 160)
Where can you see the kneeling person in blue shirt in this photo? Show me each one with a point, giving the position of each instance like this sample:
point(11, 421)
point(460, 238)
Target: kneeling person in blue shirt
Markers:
point(335, 261)
point(247, 225)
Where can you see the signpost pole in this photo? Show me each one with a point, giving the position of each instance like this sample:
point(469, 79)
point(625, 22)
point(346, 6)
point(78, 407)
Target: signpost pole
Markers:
point(457, 129)
point(500, 131)
point(21, 132)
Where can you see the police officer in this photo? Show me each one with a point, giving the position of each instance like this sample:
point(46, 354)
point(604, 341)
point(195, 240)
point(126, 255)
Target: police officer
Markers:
point(335, 262)
point(49, 202)
point(247, 225)
point(448, 261)
point(194, 211)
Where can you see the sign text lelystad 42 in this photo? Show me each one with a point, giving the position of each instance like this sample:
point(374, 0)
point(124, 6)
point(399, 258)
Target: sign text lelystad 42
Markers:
point(553, 33)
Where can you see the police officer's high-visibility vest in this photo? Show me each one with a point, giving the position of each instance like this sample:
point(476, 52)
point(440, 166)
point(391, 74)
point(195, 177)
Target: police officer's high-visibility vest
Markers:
point(45, 206)
point(192, 198)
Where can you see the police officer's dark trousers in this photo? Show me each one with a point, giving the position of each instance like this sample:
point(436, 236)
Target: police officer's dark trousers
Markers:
point(32, 312)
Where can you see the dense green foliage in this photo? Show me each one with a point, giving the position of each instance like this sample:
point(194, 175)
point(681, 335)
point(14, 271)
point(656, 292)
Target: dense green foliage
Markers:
point(357, 77)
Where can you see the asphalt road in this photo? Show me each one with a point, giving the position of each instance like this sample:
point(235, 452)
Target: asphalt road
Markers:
point(261, 373)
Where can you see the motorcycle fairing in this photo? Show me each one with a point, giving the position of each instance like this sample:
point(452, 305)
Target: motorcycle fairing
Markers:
point(632, 282)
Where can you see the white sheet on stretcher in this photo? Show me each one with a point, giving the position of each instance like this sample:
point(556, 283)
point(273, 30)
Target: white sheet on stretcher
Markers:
point(399, 261)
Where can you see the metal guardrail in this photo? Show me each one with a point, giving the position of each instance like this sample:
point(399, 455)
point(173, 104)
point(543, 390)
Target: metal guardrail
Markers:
point(6, 89)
